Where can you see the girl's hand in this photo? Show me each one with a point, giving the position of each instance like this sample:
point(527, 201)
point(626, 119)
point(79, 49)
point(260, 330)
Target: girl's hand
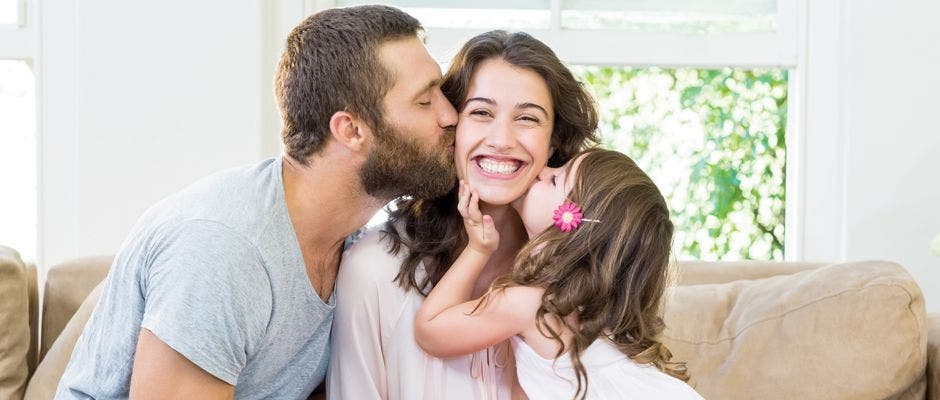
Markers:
point(480, 228)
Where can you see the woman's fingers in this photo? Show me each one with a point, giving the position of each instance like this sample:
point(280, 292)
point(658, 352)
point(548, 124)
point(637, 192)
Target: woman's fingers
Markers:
point(462, 199)
point(481, 228)
point(473, 210)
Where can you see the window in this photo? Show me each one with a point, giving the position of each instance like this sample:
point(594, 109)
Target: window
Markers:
point(18, 204)
point(18, 157)
point(9, 13)
point(696, 92)
point(714, 141)
point(522, 15)
point(670, 15)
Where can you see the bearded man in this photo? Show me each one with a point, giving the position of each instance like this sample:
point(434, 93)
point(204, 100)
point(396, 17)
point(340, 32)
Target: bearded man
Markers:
point(225, 289)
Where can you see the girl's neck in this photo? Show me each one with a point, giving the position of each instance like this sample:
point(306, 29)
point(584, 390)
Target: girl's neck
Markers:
point(512, 236)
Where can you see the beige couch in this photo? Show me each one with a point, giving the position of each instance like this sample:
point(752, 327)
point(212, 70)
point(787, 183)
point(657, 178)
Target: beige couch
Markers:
point(747, 330)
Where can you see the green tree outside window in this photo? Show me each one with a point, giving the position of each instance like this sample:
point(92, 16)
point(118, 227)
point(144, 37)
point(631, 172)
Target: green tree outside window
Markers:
point(714, 142)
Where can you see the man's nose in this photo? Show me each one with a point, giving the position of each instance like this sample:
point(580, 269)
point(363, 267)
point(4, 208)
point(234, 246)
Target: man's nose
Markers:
point(446, 115)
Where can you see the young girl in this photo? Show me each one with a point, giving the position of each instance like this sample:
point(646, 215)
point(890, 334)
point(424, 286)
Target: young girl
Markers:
point(581, 305)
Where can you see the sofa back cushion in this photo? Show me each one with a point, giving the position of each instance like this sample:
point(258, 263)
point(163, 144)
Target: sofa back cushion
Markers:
point(67, 286)
point(702, 272)
point(45, 380)
point(844, 331)
point(14, 324)
point(32, 290)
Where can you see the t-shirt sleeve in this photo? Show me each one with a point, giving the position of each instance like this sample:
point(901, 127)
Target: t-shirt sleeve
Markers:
point(208, 296)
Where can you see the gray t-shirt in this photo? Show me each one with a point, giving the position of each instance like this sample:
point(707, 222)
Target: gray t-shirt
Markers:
point(214, 271)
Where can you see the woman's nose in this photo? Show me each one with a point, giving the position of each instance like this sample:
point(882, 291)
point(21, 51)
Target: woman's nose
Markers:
point(501, 138)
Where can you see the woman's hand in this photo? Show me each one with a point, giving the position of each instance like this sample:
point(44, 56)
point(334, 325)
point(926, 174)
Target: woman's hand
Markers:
point(481, 230)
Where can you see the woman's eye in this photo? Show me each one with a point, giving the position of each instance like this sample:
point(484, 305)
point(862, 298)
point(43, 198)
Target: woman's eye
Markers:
point(482, 113)
point(529, 119)
point(425, 103)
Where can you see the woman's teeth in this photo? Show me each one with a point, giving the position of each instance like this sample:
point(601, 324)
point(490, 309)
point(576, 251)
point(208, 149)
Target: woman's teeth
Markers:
point(498, 167)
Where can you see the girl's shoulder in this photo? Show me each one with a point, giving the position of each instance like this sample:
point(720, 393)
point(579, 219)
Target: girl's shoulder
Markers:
point(521, 301)
point(525, 293)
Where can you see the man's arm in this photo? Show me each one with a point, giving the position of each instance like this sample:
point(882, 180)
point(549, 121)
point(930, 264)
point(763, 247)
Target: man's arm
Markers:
point(207, 307)
point(162, 373)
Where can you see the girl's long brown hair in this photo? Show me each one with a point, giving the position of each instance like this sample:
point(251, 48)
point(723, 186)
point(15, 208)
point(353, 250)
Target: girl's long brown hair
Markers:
point(611, 275)
point(432, 230)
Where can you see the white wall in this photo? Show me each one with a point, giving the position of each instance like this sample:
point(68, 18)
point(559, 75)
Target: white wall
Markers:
point(139, 100)
point(871, 156)
point(892, 161)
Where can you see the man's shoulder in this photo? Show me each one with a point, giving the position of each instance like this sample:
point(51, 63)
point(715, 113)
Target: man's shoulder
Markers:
point(245, 199)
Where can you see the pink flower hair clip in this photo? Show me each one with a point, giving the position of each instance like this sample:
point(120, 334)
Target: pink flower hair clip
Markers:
point(568, 217)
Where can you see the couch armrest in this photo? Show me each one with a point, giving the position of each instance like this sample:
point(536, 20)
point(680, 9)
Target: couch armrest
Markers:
point(14, 324)
point(67, 286)
point(933, 356)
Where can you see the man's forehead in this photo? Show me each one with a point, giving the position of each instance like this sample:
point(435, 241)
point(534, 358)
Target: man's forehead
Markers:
point(409, 63)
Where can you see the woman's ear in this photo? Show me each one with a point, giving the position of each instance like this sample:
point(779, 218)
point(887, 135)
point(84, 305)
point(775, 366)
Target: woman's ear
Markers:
point(349, 131)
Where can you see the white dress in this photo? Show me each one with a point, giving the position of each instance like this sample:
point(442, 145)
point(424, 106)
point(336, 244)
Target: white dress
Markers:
point(374, 354)
point(611, 375)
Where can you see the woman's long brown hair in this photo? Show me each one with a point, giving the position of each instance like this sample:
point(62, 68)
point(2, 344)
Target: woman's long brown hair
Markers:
point(432, 230)
point(611, 275)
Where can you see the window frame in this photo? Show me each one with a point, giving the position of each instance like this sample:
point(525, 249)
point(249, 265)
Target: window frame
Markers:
point(19, 41)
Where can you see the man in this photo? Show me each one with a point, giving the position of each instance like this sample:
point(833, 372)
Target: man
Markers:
point(224, 289)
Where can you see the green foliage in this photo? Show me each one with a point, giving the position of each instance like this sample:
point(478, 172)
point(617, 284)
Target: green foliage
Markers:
point(714, 142)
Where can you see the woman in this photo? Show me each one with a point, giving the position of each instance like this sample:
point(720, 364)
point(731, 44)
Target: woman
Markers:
point(520, 109)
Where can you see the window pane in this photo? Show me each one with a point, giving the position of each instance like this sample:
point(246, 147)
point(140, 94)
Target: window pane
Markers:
point(714, 142)
point(684, 16)
point(9, 12)
point(18, 157)
point(530, 14)
point(480, 4)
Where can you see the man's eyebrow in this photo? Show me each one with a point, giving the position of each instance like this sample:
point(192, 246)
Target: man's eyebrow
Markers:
point(432, 84)
point(531, 105)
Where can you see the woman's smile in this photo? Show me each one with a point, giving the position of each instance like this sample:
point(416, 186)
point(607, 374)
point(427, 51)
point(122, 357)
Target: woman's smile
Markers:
point(498, 167)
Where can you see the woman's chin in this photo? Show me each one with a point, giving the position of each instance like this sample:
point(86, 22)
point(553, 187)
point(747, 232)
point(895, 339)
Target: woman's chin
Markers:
point(498, 197)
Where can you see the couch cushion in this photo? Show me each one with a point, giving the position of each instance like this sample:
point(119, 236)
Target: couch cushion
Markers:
point(32, 356)
point(702, 272)
point(14, 324)
point(933, 356)
point(67, 286)
point(46, 378)
point(845, 331)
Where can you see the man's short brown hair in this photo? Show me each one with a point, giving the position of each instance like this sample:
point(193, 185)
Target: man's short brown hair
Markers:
point(331, 63)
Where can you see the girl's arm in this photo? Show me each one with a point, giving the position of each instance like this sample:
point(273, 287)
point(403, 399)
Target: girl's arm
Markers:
point(444, 326)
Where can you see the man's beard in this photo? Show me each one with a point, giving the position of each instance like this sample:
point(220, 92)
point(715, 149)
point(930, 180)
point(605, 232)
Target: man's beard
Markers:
point(398, 165)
